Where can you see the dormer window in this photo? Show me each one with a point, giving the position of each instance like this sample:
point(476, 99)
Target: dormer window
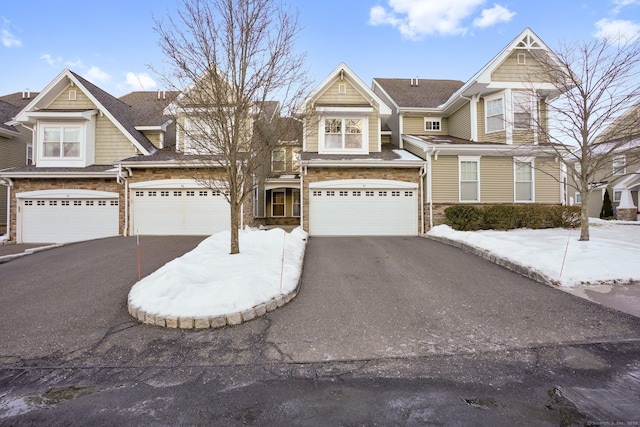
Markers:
point(494, 112)
point(60, 142)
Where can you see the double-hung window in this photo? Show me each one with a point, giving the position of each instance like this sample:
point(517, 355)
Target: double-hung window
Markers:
point(619, 165)
point(59, 142)
point(343, 134)
point(524, 183)
point(277, 202)
point(469, 168)
point(278, 162)
point(523, 109)
point(494, 114)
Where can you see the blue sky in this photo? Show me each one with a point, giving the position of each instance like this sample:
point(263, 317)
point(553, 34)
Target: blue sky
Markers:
point(112, 42)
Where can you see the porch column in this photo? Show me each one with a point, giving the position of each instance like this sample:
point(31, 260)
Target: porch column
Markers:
point(626, 210)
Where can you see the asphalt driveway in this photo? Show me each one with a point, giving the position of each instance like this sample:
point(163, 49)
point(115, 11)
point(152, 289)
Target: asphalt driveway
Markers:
point(390, 331)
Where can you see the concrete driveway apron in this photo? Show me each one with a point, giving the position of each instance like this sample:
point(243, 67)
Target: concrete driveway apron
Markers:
point(384, 297)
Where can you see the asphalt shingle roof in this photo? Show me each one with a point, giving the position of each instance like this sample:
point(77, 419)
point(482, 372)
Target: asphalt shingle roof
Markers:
point(19, 99)
point(427, 94)
point(7, 112)
point(120, 111)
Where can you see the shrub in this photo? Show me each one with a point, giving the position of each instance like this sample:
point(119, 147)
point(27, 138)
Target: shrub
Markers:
point(463, 217)
point(607, 208)
point(508, 217)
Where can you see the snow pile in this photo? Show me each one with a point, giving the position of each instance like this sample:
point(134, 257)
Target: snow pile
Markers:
point(209, 282)
point(612, 254)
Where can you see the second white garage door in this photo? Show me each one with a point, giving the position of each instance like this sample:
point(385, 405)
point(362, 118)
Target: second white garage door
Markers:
point(177, 207)
point(363, 208)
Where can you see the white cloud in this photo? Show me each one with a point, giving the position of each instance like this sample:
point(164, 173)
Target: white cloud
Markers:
point(617, 30)
point(140, 81)
point(493, 16)
point(619, 4)
point(49, 59)
point(417, 18)
point(96, 76)
point(9, 40)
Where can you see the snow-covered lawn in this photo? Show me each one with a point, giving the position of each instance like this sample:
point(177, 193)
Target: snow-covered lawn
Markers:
point(611, 256)
point(209, 282)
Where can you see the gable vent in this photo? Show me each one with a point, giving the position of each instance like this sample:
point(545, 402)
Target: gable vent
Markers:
point(342, 88)
point(72, 95)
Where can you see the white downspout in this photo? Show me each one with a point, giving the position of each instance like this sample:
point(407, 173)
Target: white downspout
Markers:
point(423, 172)
point(430, 186)
point(9, 184)
point(302, 196)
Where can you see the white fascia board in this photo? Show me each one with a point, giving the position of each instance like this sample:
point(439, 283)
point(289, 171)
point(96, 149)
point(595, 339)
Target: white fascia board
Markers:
point(57, 83)
point(107, 174)
point(62, 115)
point(344, 110)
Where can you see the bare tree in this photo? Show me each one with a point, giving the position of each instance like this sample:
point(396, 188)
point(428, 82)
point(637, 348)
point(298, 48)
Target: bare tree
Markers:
point(231, 59)
point(598, 81)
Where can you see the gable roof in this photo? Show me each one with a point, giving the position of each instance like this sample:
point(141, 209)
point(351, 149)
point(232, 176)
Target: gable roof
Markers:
point(119, 113)
point(344, 72)
point(418, 93)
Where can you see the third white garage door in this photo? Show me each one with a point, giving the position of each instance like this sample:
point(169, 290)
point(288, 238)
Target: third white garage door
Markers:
point(177, 207)
point(363, 208)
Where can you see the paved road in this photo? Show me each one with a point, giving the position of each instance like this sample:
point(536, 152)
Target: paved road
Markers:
point(384, 330)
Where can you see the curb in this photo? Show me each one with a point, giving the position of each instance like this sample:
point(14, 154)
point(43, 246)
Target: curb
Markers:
point(30, 251)
point(218, 321)
point(503, 262)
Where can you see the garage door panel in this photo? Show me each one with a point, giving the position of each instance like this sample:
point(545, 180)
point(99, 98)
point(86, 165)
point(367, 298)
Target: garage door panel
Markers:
point(67, 220)
point(179, 212)
point(352, 212)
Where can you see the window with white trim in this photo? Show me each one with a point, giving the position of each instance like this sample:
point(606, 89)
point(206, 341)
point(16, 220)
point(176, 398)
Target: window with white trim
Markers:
point(278, 160)
point(524, 180)
point(61, 141)
point(343, 134)
point(277, 202)
point(469, 169)
point(198, 137)
point(619, 165)
point(494, 114)
point(578, 198)
point(29, 154)
point(431, 124)
point(617, 196)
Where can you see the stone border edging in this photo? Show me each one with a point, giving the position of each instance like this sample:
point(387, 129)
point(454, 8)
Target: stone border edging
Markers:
point(503, 262)
point(219, 321)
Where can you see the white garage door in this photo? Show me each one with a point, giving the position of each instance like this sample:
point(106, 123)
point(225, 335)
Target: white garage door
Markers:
point(177, 207)
point(59, 216)
point(363, 208)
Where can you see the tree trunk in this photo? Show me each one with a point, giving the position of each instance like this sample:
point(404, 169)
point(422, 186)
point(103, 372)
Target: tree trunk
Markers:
point(584, 219)
point(235, 226)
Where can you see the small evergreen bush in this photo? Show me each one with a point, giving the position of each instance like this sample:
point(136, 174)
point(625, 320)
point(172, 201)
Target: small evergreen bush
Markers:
point(463, 217)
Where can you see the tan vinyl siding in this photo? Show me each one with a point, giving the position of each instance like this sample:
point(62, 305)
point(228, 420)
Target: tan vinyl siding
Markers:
point(374, 132)
point(511, 71)
point(333, 96)
point(414, 149)
point(111, 144)
point(496, 180)
point(62, 102)
point(547, 180)
point(414, 125)
point(445, 179)
point(460, 122)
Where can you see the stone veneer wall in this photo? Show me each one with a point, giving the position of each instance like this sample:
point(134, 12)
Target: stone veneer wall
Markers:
point(330, 174)
point(627, 214)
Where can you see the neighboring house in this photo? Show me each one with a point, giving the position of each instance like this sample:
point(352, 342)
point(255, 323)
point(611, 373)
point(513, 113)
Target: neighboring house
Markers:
point(619, 168)
point(14, 151)
point(479, 139)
